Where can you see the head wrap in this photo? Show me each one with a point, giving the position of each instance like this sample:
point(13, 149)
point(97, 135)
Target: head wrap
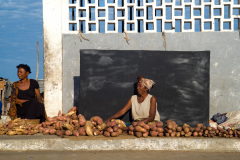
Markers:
point(146, 82)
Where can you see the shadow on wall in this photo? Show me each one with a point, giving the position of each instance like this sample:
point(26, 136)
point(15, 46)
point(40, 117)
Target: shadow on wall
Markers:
point(76, 95)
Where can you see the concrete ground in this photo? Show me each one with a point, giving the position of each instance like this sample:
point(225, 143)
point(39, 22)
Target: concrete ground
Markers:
point(54, 143)
point(118, 155)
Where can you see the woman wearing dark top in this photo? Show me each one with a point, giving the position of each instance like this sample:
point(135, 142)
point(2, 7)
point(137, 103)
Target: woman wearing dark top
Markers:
point(26, 101)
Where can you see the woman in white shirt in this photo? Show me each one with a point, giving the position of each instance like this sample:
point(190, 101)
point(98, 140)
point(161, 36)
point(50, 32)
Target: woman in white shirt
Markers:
point(144, 105)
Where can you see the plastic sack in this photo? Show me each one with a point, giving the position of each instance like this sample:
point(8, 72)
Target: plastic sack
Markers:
point(219, 118)
point(233, 120)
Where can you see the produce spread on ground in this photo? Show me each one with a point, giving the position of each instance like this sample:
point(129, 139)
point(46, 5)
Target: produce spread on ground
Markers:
point(71, 124)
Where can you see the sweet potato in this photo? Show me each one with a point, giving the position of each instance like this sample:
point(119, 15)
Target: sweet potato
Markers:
point(115, 128)
point(195, 134)
point(169, 126)
point(115, 134)
point(30, 133)
point(67, 126)
point(197, 129)
point(188, 134)
point(151, 125)
point(97, 119)
point(130, 132)
point(199, 125)
point(96, 132)
point(70, 113)
point(119, 122)
point(178, 134)
point(75, 133)
point(182, 133)
point(119, 131)
point(89, 123)
point(111, 124)
point(160, 130)
point(209, 128)
point(106, 134)
point(191, 129)
point(140, 123)
point(131, 128)
point(62, 118)
point(134, 124)
point(82, 131)
point(179, 129)
point(185, 125)
point(102, 126)
point(58, 125)
point(52, 131)
point(74, 117)
point(138, 134)
point(110, 129)
point(68, 133)
point(140, 129)
point(170, 131)
point(89, 131)
point(167, 134)
point(81, 119)
point(51, 118)
point(75, 122)
point(153, 128)
point(153, 133)
point(161, 134)
point(120, 126)
point(173, 134)
point(159, 124)
point(46, 131)
point(25, 132)
point(146, 126)
point(186, 130)
point(145, 134)
point(11, 133)
point(230, 132)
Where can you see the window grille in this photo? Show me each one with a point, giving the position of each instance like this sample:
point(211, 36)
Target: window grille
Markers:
point(149, 16)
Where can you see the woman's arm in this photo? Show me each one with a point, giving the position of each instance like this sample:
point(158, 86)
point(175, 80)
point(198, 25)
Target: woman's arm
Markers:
point(152, 111)
point(122, 111)
point(39, 98)
point(20, 101)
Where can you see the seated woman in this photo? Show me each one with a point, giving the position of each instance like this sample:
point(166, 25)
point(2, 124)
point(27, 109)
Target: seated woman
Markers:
point(26, 101)
point(144, 105)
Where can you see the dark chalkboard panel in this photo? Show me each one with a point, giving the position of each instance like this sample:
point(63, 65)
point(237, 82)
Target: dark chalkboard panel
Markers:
point(107, 80)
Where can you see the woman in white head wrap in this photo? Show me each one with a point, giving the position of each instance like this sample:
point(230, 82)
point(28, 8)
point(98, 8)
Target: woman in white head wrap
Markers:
point(144, 105)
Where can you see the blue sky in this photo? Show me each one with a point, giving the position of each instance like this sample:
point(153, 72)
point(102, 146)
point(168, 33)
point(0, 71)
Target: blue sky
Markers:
point(21, 26)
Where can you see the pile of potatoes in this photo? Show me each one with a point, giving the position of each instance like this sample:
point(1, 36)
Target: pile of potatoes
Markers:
point(18, 127)
point(171, 129)
point(115, 128)
point(141, 129)
point(71, 124)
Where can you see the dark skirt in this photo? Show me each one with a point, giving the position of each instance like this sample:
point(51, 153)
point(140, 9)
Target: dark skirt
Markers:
point(31, 109)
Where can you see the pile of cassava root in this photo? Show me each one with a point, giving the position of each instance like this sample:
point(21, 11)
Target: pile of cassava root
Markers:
point(71, 124)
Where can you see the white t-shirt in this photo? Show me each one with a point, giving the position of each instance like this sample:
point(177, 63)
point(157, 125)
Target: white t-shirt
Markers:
point(140, 111)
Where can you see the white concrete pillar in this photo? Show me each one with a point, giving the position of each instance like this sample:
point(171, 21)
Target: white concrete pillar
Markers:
point(52, 39)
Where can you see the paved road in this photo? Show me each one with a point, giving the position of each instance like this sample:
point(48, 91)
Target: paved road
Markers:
point(118, 155)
